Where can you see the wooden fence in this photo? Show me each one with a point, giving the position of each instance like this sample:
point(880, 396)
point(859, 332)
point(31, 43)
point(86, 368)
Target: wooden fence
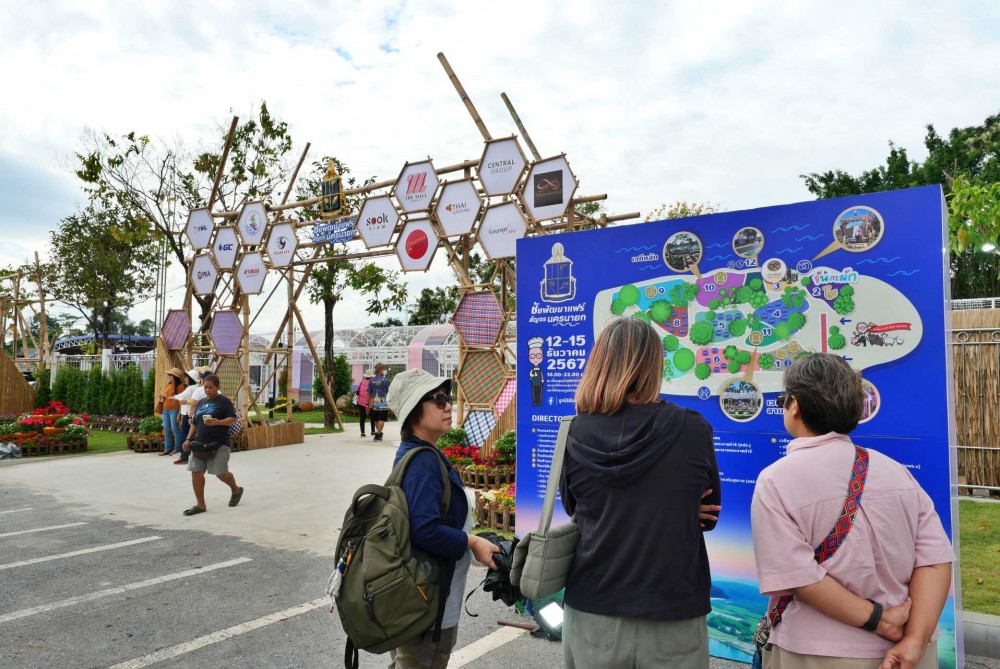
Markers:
point(976, 353)
point(280, 434)
point(16, 396)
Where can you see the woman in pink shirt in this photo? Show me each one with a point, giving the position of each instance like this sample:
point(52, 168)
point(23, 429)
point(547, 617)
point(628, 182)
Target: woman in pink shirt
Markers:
point(877, 600)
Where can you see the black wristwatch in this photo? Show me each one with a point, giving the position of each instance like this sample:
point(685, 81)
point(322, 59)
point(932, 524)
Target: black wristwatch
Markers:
point(874, 619)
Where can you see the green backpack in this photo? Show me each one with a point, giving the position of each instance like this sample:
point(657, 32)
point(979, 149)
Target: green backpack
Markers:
point(386, 591)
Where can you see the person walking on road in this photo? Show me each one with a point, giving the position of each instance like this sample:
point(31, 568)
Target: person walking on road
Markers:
point(378, 389)
point(638, 591)
point(422, 403)
point(208, 442)
point(172, 436)
point(363, 399)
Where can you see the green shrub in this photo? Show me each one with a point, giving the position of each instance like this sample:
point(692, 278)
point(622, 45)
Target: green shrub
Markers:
point(43, 393)
point(453, 437)
point(506, 448)
point(151, 425)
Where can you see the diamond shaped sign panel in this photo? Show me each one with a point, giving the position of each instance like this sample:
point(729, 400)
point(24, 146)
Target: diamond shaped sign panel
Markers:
point(176, 329)
point(225, 248)
point(251, 273)
point(548, 189)
point(501, 166)
point(281, 244)
point(416, 245)
point(199, 228)
point(252, 223)
point(204, 274)
point(227, 332)
point(478, 318)
point(377, 220)
point(416, 186)
point(503, 224)
point(458, 207)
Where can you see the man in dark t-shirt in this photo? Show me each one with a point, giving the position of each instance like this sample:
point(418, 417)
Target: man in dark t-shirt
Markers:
point(208, 441)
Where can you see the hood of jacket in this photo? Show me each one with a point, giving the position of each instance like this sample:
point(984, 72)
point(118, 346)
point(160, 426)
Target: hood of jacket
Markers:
point(621, 447)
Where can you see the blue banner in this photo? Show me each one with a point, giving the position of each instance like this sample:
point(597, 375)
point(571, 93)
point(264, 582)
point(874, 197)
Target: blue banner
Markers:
point(334, 232)
point(737, 297)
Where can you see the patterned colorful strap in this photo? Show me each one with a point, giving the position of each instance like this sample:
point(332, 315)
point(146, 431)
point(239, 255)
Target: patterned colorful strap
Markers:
point(838, 535)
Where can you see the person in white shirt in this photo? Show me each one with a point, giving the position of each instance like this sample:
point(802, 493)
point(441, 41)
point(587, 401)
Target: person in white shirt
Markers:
point(189, 399)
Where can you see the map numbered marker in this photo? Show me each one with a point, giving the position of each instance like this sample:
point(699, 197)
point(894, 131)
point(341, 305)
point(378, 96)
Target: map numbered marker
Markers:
point(748, 242)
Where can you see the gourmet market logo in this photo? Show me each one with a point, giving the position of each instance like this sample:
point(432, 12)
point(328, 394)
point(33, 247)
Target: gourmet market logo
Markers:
point(548, 188)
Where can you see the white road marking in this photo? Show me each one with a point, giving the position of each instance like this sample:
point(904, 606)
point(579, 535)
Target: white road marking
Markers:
point(85, 551)
point(40, 529)
point(477, 649)
point(24, 613)
point(27, 508)
point(221, 635)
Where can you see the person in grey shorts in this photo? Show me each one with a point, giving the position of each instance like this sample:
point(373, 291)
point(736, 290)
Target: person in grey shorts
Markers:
point(209, 426)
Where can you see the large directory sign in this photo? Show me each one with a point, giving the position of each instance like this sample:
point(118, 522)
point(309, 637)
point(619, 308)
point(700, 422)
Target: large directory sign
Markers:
point(737, 297)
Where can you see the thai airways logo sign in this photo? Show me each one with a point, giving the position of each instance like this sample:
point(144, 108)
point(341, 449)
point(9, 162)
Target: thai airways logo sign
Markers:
point(281, 244)
point(416, 186)
point(458, 207)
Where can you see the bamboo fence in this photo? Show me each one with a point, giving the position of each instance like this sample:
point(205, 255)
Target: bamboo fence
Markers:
point(976, 350)
point(16, 396)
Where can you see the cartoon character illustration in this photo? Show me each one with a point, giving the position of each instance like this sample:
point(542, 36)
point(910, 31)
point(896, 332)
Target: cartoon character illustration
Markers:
point(869, 333)
point(537, 378)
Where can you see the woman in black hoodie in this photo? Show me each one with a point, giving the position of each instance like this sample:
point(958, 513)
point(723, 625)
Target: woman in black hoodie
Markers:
point(637, 472)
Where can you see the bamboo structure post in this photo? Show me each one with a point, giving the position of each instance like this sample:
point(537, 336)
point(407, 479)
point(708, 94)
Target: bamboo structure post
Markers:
point(290, 342)
point(520, 127)
point(327, 392)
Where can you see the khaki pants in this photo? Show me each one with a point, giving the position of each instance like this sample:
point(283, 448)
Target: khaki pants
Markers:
point(423, 653)
point(612, 642)
point(779, 658)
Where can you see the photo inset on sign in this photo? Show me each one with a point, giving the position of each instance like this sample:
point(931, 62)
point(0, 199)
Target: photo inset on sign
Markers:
point(548, 188)
point(748, 242)
point(858, 229)
point(872, 401)
point(681, 251)
point(741, 400)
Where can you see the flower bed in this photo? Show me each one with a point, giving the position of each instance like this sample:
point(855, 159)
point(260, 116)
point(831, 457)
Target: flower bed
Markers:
point(495, 508)
point(115, 423)
point(47, 431)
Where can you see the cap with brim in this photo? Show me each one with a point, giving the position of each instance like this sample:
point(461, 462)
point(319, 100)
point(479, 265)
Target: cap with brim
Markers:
point(174, 371)
point(409, 387)
point(205, 369)
point(369, 374)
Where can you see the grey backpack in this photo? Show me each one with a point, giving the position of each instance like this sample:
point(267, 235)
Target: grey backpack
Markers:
point(385, 591)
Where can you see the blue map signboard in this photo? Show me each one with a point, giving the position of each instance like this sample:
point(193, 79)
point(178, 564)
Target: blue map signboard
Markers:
point(737, 297)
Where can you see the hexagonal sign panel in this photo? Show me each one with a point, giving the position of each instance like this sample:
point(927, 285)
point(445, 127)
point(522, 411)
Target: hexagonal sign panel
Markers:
point(251, 273)
point(501, 166)
point(253, 223)
point(204, 274)
point(416, 186)
point(377, 220)
point(416, 245)
point(481, 377)
point(281, 244)
point(225, 248)
point(199, 228)
point(458, 207)
point(548, 189)
point(227, 332)
point(478, 318)
point(176, 329)
point(503, 224)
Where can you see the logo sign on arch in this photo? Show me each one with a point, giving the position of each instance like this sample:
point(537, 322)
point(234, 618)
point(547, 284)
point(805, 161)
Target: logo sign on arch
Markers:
point(377, 221)
point(225, 248)
point(204, 274)
point(416, 246)
point(416, 186)
point(251, 273)
point(458, 207)
point(281, 244)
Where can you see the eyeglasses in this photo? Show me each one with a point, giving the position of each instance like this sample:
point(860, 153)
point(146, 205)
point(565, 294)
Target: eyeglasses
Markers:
point(782, 399)
point(440, 399)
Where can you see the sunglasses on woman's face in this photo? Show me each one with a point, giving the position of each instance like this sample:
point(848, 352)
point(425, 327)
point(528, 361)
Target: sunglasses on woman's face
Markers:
point(440, 399)
point(782, 398)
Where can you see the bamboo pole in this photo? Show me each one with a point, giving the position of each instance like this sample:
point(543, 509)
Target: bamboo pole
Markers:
point(222, 162)
point(295, 174)
point(290, 348)
point(520, 127)
point(465, 97)
point(327, 392)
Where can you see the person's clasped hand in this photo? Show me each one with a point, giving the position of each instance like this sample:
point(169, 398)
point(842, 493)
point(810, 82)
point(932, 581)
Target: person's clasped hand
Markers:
point(483, 550)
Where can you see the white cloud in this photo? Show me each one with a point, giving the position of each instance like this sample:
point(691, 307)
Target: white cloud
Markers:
point(725, 101)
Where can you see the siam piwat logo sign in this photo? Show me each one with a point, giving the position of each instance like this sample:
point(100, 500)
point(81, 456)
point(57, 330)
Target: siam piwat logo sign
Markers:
point(416, 186)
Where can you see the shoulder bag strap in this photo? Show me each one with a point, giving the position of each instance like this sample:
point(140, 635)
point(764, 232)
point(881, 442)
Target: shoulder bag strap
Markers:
point(554, 471)
point(396, 476)
point(838, 535)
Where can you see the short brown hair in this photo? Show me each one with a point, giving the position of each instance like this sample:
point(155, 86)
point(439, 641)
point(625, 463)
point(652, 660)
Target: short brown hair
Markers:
point(829, 393)
point(625, 367)
point(380, 367)
point(213, 378)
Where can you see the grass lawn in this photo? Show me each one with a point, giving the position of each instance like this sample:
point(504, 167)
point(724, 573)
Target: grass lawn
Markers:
point(106, 442)
point(979, 527)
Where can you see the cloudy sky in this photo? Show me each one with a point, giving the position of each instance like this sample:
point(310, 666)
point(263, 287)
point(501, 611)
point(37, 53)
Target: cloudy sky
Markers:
point(652, 102)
